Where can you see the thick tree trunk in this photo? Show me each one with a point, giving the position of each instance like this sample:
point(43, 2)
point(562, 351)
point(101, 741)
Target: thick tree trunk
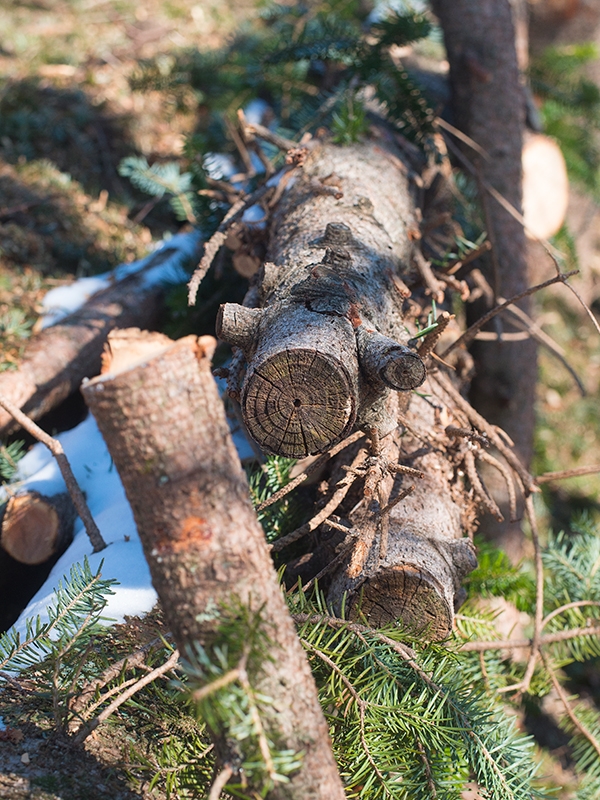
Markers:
point(56, 360)
point(329, 350)
point(35, 528)
point(489, 106)
point(164, 424)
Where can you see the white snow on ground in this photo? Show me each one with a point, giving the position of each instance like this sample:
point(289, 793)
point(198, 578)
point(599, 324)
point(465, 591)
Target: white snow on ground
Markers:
point(66, 299)
point(123, 557)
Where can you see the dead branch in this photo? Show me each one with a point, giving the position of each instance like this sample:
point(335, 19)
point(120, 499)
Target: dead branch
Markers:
point(90, 726)
point(57, 451)
point(469, 334)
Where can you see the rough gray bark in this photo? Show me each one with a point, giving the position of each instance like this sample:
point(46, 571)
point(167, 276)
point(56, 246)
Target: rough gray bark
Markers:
point(56, 360)
point(329, 341)
point(326, 348)
point(162, 418)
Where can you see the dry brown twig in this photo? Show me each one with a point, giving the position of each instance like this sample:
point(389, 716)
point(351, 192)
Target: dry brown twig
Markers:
point(583, 730)
point(64, 466)
point(469, 334)
point(220, 782)
point(316, 465)
point(341, 490)
point(90, 726)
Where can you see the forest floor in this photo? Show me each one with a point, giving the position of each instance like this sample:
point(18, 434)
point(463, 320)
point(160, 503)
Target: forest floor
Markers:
point(68, 115)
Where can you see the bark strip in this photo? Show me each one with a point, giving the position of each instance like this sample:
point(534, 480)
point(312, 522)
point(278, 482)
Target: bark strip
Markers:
point(165, 427)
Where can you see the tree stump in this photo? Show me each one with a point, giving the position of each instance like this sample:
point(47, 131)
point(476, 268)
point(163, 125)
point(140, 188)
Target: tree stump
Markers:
point(161, 416)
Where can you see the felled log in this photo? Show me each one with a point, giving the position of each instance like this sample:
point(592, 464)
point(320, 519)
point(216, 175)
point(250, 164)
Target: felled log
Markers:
point(329, 349)
point(407, 565)
point(328, 342)
point(164, 423)
point(34, 528)
point(56, 360)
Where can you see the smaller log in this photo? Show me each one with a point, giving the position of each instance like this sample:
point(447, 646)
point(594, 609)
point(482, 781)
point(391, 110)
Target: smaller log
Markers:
point(57, 359)
point(34, 528)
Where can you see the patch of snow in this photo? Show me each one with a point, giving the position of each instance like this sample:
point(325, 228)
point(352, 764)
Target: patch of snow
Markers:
point(255, 111)
point(254, 214)
point(219, 166)
point(64, 300)
point(123, 559)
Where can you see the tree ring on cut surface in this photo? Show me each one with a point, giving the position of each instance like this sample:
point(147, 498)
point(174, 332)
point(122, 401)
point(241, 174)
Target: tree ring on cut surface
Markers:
point(298, 402)
point(406, 594)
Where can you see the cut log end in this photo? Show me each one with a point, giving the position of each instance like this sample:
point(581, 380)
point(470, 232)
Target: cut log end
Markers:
point(403, 371)
point(406, 595)
point(36, 528)
point(299, 402)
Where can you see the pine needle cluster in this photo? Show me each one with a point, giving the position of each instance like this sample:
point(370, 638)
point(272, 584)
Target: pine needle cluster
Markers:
point(310, 62)
point(408, 719)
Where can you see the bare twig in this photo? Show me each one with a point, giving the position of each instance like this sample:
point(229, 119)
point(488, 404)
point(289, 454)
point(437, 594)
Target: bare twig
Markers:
point(478, 487)
point(57, 451)
point(434, 287)
point(463, 137)
point(549, 638)
point(567, 607)
point(466, 433)
point(525, 321)
point(583, 730)
point(316, 465)
point(224, 680)
point(539, 595)
point(491, 431)
point(455, 266)
point(585, 306)
point(220, 782)
point(567, 473)
point(90, 726)
point(508, 480)
point(427, 766)
point(131, 661)
point(254, 129)
point(432, 338)
point(214, 244)
point(469, 334)
point(335, 562)
point(401, 496)
point(341, 490)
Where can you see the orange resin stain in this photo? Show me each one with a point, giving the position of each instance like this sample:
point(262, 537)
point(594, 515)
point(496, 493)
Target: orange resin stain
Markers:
point(194, 532)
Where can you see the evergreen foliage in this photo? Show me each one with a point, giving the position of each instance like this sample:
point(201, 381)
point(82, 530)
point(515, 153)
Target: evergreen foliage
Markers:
point(311, 63)
point(10, 455)
point(571, 108)
point(281, 517)
point(407, 719)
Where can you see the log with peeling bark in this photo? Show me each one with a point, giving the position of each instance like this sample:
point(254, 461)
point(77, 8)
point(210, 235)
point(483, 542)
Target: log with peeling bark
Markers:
point(329, 350)
point(56, 360)
point(161, 416)
point(35, 528)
